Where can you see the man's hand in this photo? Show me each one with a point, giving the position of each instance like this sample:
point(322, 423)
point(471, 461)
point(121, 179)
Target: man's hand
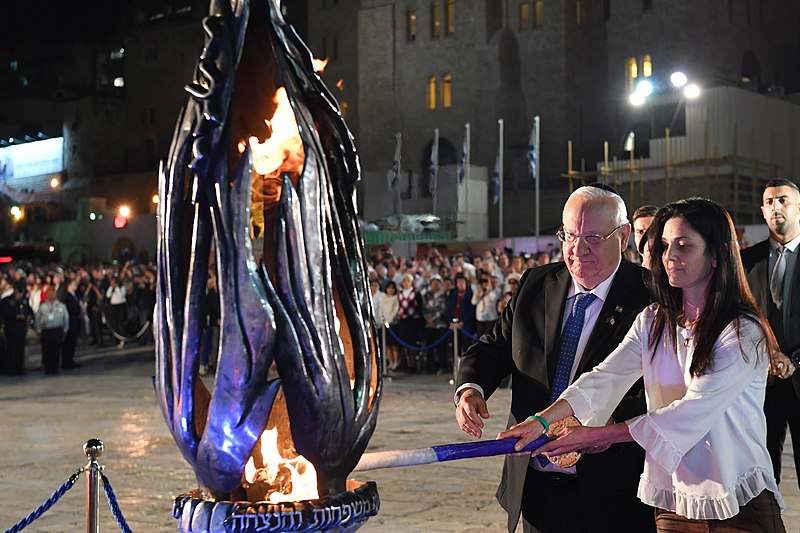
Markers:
point(470, 412)
point(781, 366)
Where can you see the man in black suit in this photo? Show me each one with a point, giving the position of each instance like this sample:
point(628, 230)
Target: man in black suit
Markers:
point(70, 299)
point(774, 277)
point(599, 494)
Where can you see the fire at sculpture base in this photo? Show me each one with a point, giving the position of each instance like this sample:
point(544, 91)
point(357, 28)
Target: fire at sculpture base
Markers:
point(341, 513)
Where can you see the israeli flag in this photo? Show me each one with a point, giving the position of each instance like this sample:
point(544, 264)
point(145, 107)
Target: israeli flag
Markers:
point(433, 169)
point(532, 162)
point(395, 175)
point(496, 181)
point(463, 164)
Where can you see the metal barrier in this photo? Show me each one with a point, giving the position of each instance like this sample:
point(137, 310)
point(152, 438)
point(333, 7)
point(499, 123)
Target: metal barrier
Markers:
point(94, 474)
point(450, 331)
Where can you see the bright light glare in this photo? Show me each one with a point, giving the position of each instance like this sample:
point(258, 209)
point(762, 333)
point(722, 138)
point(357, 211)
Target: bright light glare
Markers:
point(678, 79)
point(54, 183)
point(156, 199)
point(92, 216)
point(645, 88)
point(16, 213)
point(51, 248)
point(636, 99)
point(125, 211)
point(691, 91)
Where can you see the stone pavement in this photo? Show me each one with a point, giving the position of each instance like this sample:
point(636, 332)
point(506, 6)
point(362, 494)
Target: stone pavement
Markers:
point(46, 420)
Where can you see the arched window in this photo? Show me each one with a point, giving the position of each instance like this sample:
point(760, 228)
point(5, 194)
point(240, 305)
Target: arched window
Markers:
point(411, 23)
point(447, 91)
point(436, 19)
point(450, 17)
point(631, 73)
point(538, 13)
point(647, 66)
point(524, 16)
point(431, 92)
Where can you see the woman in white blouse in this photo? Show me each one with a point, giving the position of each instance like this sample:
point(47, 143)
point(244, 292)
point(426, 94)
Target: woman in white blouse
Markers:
point(704, 350)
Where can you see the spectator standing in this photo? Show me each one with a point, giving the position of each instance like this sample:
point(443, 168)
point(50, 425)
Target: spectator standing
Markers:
point(117, 297)
point(70, 301)
point(485, 301)
point(94, 297)
point(16, 315)
point(460, 311)
point(52, 321)
point(389, 307)
point(434, 307)
point(410, 322)
point(377, 297)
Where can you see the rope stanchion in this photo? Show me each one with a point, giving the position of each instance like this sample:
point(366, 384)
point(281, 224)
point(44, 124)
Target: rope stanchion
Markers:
point(432, 345)
point(93, 448)
point(28, 520)
point(470, 336)
point(114, 505)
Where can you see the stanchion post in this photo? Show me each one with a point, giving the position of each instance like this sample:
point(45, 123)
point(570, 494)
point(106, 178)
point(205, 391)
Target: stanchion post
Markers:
point(385, 365)
point(455, 350)
point(93, 449)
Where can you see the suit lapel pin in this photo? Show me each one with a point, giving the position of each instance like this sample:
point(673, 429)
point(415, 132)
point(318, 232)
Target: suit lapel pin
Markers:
point(611, 320)
point(618, 309)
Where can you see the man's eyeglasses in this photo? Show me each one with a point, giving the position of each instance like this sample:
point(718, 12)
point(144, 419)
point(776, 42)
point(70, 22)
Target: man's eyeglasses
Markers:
point(593, 239)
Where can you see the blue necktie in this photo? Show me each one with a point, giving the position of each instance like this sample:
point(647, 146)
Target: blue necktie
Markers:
point(569, 345)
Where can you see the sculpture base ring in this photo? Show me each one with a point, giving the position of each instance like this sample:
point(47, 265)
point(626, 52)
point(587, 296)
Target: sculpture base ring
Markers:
point(340, 513)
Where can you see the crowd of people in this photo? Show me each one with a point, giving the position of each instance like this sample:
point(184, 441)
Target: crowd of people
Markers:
point(57, 304)
point(419, 299)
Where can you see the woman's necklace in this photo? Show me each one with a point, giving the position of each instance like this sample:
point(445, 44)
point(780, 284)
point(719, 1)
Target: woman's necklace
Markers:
point(690, 327)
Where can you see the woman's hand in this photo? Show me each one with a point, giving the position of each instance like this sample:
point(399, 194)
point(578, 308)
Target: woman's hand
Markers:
point(527, 432)
point(585, 439)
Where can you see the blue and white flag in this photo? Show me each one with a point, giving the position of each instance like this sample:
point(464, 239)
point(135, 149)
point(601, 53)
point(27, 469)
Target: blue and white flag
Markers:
point(463, 164)
point(496, 181)
point(395, 175)
point(433, 169)
point(532, 161)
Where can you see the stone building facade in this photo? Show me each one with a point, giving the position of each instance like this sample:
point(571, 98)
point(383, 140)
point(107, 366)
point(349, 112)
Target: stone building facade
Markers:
point(569, 61)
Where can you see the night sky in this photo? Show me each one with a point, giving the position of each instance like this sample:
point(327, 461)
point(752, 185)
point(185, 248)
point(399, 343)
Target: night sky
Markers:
point(53, 21)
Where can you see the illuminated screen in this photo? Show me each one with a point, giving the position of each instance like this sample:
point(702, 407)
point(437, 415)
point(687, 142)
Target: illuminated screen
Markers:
point(32, 159)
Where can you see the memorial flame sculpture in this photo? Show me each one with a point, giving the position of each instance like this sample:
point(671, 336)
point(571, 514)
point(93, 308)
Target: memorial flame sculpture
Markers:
point(301, 306)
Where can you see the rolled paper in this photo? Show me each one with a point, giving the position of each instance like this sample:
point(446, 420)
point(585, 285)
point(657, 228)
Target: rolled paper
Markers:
point(443, 452)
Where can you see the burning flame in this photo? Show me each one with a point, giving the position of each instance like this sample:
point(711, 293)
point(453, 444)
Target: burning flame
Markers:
point(286, 480)
point(281, 153)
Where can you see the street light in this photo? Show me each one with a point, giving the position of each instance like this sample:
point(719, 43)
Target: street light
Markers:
point(54, 183)
point(17, 213)
point(691, 91)
point(124, 211)
point(678, 79)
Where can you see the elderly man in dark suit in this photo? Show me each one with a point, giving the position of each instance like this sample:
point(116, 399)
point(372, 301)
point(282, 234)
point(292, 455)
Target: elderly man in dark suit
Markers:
point(774, 277)
point(564, 319)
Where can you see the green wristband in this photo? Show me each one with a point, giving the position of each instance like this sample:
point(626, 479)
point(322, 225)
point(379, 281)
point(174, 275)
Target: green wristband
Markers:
point(545, 424)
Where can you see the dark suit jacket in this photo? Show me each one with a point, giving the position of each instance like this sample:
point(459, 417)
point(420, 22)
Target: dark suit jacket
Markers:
point(524, 343)
point(756, 263)
point(73, 309)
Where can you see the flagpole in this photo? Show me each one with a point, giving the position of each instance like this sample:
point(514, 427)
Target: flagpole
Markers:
point(466, 178)
point(536, 123)
point(434, 169)
point(500, 179)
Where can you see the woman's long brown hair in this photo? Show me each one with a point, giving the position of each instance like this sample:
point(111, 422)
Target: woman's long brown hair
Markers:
point(729, 297)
